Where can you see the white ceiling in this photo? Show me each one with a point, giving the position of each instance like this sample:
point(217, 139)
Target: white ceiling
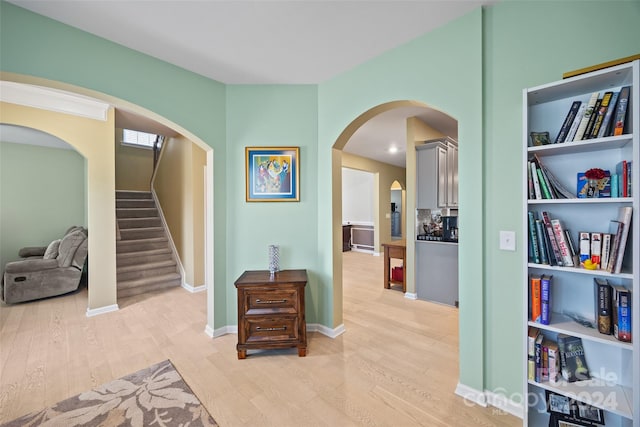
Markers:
point(243, 41)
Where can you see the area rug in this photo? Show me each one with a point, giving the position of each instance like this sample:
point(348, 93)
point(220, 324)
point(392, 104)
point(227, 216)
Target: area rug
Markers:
point(155, 396)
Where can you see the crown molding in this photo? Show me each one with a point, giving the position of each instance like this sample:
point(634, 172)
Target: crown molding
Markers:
point(53, 100)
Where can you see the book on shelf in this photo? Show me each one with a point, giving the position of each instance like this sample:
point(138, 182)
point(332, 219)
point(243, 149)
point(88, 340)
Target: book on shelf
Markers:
point(576, 122)
point(603, 306)
point(542, 242)
point(621, 301)
point(606, 122)
point(557, 189)
point(584, 122)
point(553, 361)
point(615, 187)
point(568, 121)
point(621, 111)
point(601, 111)
point(544, 363)
point(533, 239)
point(536, 301)
point(545, 299)
point(585, 245)
point(629, 181)
point(533, 333)
point(592, 119)
point(606, 251)
point(596, 248)
point(572, 248)
point(530, 191)
point(563, 246)
point(546, 220)
point(622, 170)
point(538, 358)
point(604, 185)
point(573, 363)
point(615, 229)
point(536, 181)
point(546, 192)
point(624, 217)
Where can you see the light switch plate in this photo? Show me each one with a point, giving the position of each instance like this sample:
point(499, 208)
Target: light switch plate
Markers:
point(507, 240)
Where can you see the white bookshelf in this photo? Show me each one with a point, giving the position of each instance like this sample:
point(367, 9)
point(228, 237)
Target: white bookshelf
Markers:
point(614, 365)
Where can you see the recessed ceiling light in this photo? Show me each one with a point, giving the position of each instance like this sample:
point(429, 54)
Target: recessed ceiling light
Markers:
point(393, 149)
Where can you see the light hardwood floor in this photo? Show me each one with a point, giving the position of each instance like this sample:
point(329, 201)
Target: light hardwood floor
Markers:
point(396, 364)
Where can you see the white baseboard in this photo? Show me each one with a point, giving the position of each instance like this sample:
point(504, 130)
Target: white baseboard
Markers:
point(362, 250)
point(102, 310)
point(208, 330)
point(410, 295)
point(324, 330)
point(311, 327)
point(505, 404)
point(194, 289)
point(471, 396)
point(230, 329)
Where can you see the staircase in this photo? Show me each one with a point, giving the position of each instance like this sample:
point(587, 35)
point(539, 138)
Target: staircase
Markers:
point(144, 259)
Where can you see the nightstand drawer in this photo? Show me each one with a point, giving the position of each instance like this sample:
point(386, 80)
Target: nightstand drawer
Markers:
point(271, 329)
point(274, 301)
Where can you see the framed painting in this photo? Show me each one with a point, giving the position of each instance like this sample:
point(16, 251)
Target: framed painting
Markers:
point(272, 174)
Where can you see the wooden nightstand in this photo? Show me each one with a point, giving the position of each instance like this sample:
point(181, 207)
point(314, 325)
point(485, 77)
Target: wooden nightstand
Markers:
point(271, 311)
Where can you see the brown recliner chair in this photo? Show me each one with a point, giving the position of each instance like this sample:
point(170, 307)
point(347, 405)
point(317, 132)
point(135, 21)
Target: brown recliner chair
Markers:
point(48, 270)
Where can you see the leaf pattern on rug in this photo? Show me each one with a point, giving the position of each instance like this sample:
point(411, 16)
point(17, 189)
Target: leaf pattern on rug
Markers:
point(156, 396)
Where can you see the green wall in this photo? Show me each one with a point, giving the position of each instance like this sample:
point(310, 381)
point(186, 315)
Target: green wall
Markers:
point(42, 193)
point(33, 45)
point(278, 115)
point(443, 69)
point(516, 57)
point(473, 69)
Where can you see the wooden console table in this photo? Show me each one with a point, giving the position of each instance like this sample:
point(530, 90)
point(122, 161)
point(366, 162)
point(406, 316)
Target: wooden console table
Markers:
point(271, 311)
point(397, 249)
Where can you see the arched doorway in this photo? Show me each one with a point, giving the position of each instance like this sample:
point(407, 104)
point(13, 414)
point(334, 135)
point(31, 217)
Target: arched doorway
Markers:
point(55, 120)
point(398, 195)
point(416, 131)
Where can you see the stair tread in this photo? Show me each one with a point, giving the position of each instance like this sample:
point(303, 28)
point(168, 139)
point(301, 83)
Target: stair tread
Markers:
point(148, 280)
point(155, 287)
point(146, 252)
point(142, 240)
point(146, 266)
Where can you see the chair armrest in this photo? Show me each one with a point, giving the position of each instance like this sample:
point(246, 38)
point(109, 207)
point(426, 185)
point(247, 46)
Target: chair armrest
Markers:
point(32, 251)
point(30, 265)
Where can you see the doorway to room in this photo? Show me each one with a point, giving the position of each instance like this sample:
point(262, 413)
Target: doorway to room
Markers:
point(397, 197)
point(416, 128)
point(104, 300)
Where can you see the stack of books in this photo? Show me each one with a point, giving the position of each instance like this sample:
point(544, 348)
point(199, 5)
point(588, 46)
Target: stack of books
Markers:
point(542, 184)
point(599, 117)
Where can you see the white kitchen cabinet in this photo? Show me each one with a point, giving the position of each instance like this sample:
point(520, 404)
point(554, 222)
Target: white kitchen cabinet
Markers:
point(437, 174)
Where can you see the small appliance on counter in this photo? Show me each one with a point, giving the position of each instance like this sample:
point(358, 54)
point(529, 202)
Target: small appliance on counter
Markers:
point(450, 228)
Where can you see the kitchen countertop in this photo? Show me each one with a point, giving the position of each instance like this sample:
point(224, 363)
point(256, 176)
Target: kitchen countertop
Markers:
point(437, 242)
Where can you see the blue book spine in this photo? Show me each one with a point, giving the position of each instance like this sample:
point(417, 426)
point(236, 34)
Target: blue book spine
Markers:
point(545, 298)
point(615, 191)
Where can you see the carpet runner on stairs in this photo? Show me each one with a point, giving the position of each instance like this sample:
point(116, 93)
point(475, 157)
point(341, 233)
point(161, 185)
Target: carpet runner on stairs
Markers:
point(144, 259)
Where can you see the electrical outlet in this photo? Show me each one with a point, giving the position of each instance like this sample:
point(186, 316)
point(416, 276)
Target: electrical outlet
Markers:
point(507, 240)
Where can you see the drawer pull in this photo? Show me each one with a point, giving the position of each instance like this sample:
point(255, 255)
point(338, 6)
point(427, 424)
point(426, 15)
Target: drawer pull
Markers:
point(271, 301)
point(283, 328)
